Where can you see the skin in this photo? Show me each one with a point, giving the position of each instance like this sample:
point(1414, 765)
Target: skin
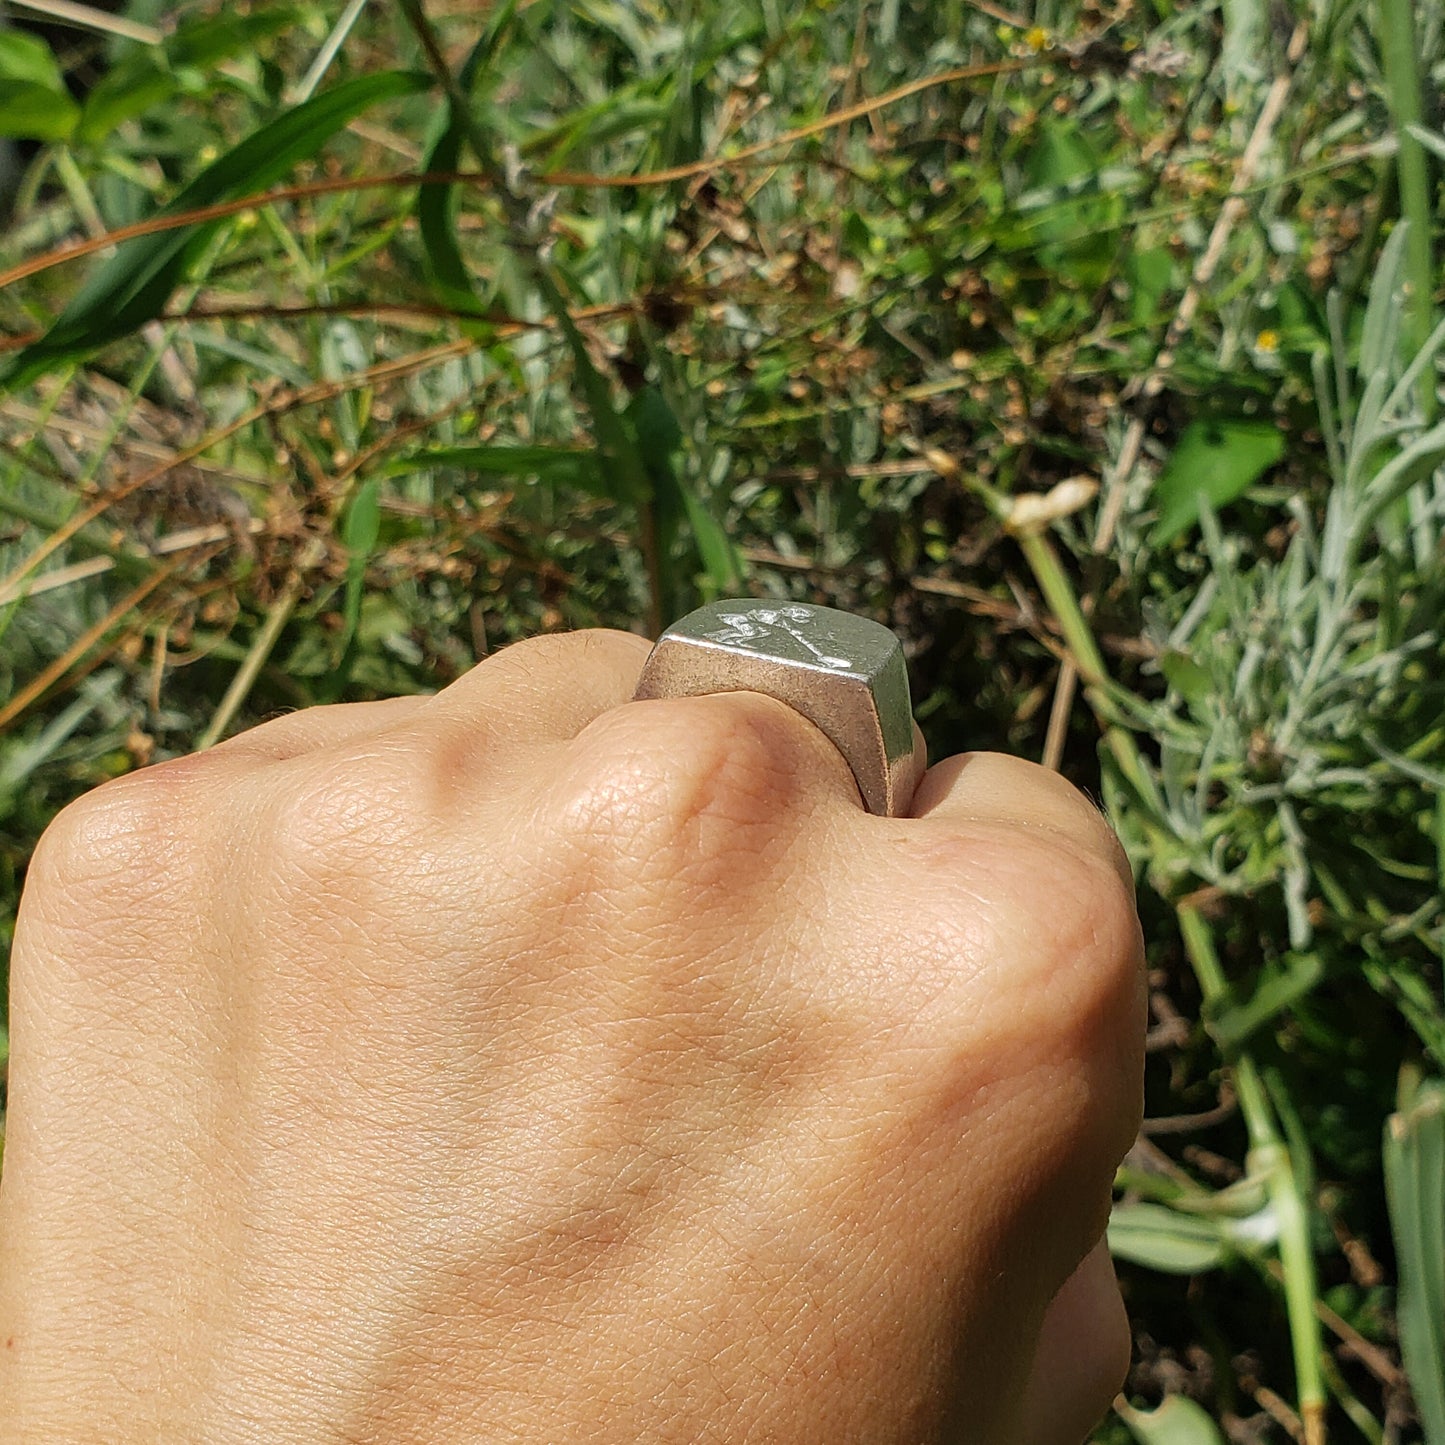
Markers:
point(524, 1064)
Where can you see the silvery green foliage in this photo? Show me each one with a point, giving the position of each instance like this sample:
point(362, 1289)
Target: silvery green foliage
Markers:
point(1304, 714)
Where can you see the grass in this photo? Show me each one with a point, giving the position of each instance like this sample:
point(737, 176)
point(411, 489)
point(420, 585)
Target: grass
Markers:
point(1084, 346)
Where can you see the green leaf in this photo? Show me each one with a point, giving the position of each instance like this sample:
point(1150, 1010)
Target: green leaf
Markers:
point(621, 114)
point(659, 438)
point(1062, 156)
point(1150, 274)
point(1162, 1239)
point(1409, 467)
point(1178, 1421)
point(1188, 678)
point(25, 57)
point(208, 41)
point(1232, 1023)
point(1414, 1157)
point(448, 274)
point(34, 103)
point(134, 286)
point(363, 527)
point(129, 90)
point(1072, 200)
point(1380, 332)
point(721, 560)
point(1217, 462)
point(658, 433)
point(30, 112)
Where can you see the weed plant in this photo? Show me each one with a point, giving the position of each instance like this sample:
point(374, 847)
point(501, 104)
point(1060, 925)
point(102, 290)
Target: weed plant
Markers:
point(1095, 344)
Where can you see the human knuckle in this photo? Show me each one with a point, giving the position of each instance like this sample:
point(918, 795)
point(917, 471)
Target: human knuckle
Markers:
point(1051, 924)
point(337, 817)
point(127, 829)
point(682, 772)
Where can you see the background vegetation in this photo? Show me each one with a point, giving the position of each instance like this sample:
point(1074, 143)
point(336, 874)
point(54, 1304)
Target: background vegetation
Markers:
point(1092, 347)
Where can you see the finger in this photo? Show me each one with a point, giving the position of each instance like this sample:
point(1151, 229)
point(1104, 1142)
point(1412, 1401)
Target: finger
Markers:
point(546, 689)
point(992, 787)
point(1081, 1358)
point(1043, 881)
point(294, 735)
point(311, 728)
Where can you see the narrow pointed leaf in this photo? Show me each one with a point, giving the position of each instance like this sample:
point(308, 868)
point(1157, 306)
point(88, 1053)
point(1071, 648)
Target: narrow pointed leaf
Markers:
point(1414, 1155)
point(448, 274)
point(134, 286)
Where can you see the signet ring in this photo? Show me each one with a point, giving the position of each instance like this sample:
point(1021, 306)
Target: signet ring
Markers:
point(844, 673)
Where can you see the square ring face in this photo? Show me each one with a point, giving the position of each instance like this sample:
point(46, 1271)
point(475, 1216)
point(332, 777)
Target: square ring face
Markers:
point(798, 632)
point(844, 673)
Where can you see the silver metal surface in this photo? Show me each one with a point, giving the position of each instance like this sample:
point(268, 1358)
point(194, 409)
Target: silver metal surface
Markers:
point(845, 674)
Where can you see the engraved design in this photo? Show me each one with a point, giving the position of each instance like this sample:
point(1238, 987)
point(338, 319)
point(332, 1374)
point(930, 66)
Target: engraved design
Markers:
point(752, 629)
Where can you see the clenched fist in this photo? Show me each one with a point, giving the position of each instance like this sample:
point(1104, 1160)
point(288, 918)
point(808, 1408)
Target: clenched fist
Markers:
point(525, 1064)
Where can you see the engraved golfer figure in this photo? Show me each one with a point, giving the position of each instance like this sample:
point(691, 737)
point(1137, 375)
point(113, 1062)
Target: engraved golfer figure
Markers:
point(760, 622)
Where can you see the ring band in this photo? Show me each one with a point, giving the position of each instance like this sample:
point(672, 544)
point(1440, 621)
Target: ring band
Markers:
point(844, 673)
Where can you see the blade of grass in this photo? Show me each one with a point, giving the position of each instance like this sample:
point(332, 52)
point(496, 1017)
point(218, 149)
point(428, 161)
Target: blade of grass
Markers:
point(88, 17)
point(1402, 90)
point(1272, 1159)
point(1414, 1158)
point(259, 651)
point(134, 286)
point(328, 52)
point(613, 435)
point(360, 534)
point(450, 278)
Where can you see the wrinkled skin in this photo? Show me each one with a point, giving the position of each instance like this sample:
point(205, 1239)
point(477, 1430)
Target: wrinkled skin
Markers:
point(524, 1064)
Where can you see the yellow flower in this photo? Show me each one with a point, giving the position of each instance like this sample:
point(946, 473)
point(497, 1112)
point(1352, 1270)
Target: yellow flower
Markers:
point(1267, 341)
point(1037, 39)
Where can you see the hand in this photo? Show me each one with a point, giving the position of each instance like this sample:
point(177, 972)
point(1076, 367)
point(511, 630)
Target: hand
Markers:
point(523, 1064)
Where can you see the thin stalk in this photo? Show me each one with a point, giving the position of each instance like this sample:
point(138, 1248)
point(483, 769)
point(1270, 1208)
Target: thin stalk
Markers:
point(1402, 91)
point(245, 678)
point(88, 17)
point(1059, 594)
point(1370, 1428)
point(1440, 852)
point(328, 52)
point(1270, 1158)
point(78, 191)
